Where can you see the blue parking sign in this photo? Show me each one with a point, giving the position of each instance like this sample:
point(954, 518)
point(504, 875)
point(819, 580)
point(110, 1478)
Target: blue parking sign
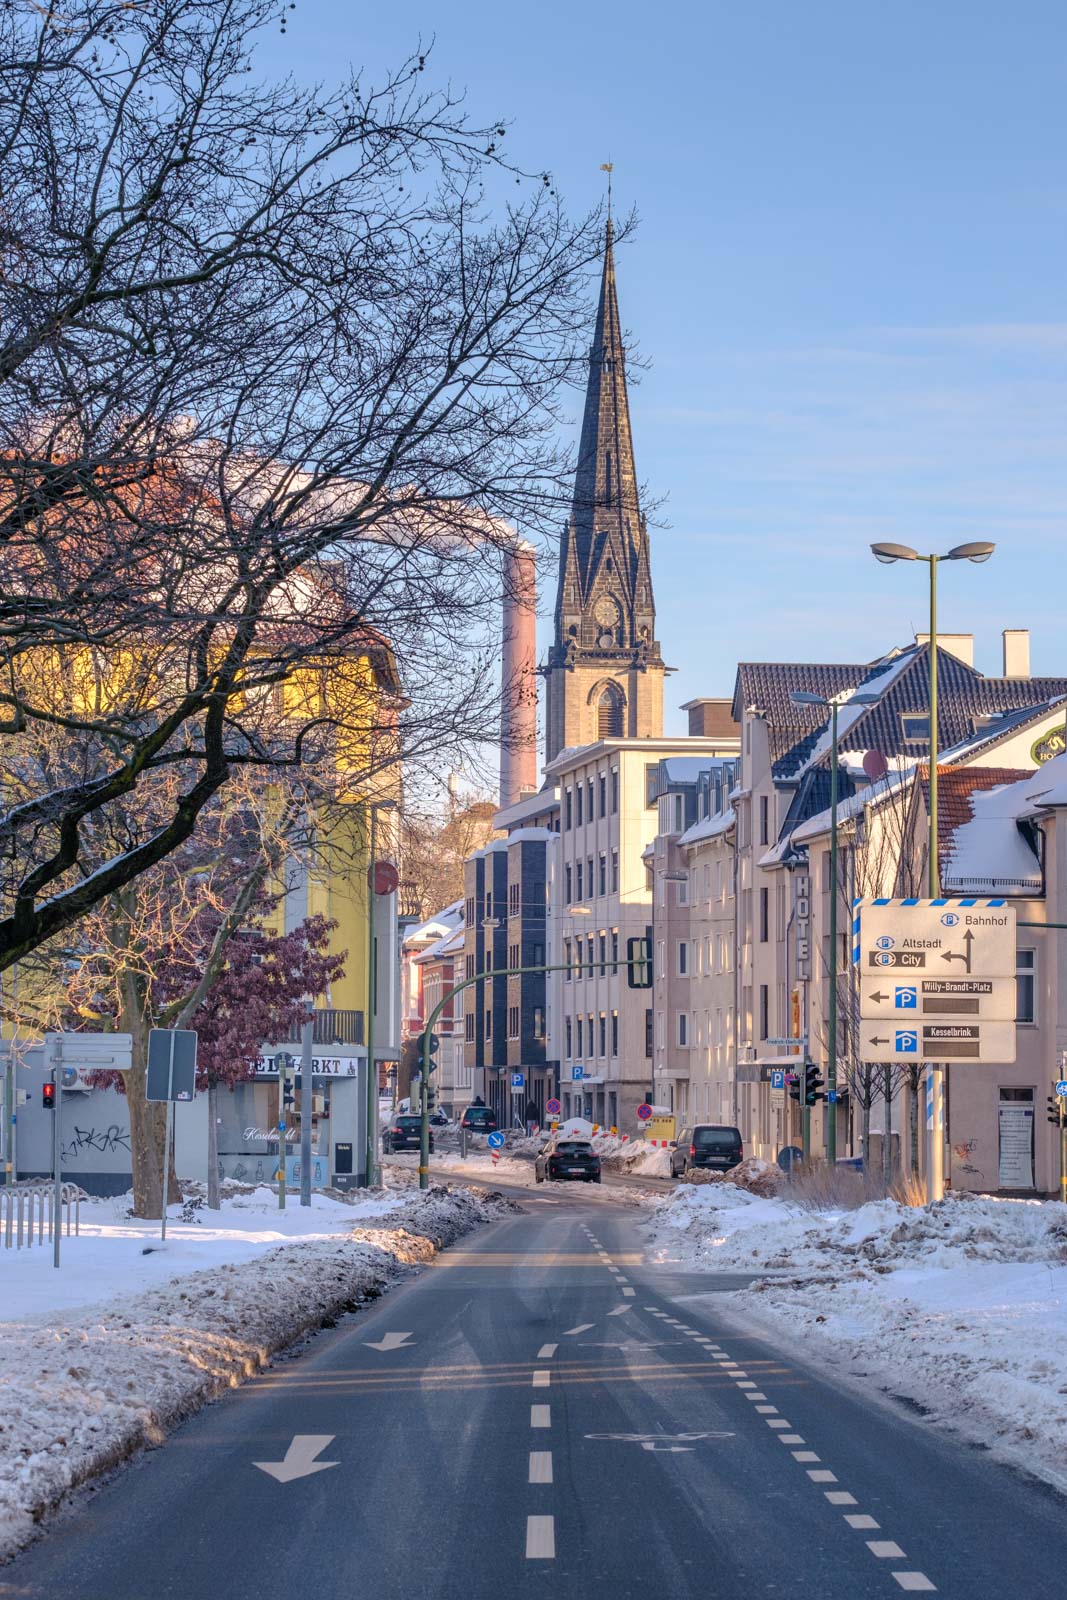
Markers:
point(907, 1041)
point(778, 1080)
point(906, 997)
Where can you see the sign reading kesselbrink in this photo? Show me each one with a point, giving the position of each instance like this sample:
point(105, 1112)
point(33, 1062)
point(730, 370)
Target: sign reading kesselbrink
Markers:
point(943, 971)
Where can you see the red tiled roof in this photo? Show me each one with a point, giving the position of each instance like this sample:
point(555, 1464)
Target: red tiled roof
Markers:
point(956, 787)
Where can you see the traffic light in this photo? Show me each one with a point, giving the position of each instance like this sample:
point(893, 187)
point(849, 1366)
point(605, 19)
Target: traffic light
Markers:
point(794, 1087)
point(48, 1096)
point(290, 1092)
point(812, 1084)
point(431, 1095)
point(638, 963)
point(1054, 1103)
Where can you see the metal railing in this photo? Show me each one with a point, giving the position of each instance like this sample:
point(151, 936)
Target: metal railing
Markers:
point(27, 1212)
point(333, 1027)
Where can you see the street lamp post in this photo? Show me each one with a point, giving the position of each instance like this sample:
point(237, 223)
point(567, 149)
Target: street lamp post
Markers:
point(373, 807)
point(831, 1045)
point(977, 551)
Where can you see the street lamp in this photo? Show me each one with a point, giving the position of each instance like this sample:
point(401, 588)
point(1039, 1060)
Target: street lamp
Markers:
point(801, 698)
point(976, 551)
point(373, 808)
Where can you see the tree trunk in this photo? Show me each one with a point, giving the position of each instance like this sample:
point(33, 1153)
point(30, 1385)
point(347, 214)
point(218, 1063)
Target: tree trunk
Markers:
point(214, 1204)
point(148, 1122)
point(913, 1118)
point(867, 1087)
point(887, 1136)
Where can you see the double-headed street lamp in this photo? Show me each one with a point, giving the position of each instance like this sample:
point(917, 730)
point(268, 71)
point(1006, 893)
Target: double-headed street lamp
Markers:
point(833, 706)
point(977, 551)
point(371, 1146)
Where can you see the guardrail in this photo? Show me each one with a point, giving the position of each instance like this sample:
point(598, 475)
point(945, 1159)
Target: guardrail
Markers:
point(27, 1212)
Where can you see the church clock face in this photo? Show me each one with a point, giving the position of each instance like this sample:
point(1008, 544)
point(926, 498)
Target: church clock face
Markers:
point(606, 615)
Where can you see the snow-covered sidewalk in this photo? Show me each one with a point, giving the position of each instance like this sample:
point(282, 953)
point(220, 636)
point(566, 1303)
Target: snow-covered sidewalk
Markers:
point(152, 1338)
point(960, 1307)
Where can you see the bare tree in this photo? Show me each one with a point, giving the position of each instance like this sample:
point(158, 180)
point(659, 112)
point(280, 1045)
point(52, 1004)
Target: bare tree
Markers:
point(274, 387)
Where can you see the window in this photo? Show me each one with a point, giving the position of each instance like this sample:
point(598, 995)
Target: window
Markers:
point(1025, 986)
point(513, 1022)
point(568, 809)
point(488, 905)
point(603, 1029)
point(578, 1036)
point(614, 872)
point(915, 725)
point(707, 882)
point(764, 914)
point(661, 959)
point(615, 948)
point(538, 1023)
point(513, 957)
point(468, 1021)
point(579, 895)
point(488, 958)
point(589, 799)
point(578, 793)
point(764, 1010)
point(591, 963)
point(566, 962)
point(603, 955)
point(614, 1033)
point(468, 968)
point(683, 890)
point(609, 710)
point(614, 789)
point(651, 779)
point(537, 958)
point(764, 819)
point(648, 1031)
point(602, 790)
point(602, 876)
point(683, 959)
point(513, 899)
point(488, 1025)
point(683, 1027)
point(567, 885)
point(589, 874)
point(679, 814)
point(718, 880)
point(470, 911)
point(567, 1033)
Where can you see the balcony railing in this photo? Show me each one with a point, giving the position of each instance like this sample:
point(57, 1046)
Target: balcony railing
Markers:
point(333, 1027)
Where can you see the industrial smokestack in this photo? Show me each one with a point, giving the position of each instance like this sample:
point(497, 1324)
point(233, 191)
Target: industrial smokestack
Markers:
point(518, 713)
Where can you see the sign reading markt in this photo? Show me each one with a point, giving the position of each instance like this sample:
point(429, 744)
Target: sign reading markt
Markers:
point(937, 980)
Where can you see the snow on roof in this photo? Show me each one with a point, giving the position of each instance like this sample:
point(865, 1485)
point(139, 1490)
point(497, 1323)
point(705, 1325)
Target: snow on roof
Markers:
point(687, 769)
point(991, 850)
point(527, 835)
point(442, 922)
point(708, 828)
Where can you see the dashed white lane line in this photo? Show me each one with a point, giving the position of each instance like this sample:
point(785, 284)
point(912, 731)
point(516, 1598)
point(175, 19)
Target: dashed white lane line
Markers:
point(547, 1351)
point(540, 1466)
point(540, 1416)
point(822, 1475)
point(583, 1327)
point(755, 1394)
point(630, 1292)
point(617, 1311)
point(540, 1538)
point(541, 1378)
point(840, 1497)
point(862, 1522)
point(790, 1438)
point(746, 1384)
point(885, 1549)
point(767, 1411)
point(916, 1582)
point(777, 1422)
point(805, 1455)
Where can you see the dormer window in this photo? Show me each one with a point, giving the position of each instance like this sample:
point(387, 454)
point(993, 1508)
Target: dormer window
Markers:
point(915, 725)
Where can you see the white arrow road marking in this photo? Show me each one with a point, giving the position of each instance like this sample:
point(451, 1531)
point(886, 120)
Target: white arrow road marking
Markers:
point(583, 1327)
point(391, 1341)
point(618, 1311)
point(299, 1459)
point(662, 1442)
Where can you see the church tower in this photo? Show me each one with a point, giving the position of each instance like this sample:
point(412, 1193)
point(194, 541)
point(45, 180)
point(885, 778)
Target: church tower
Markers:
point(604, 675)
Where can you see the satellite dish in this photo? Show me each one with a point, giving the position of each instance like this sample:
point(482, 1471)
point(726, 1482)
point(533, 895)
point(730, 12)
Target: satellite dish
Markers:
point(875, 765)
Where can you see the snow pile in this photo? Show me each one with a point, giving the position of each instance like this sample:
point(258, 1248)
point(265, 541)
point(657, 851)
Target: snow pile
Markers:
point(961, 1306)
point(84, 1389)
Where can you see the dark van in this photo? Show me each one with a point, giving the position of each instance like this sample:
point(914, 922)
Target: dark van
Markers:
point(707, 1144)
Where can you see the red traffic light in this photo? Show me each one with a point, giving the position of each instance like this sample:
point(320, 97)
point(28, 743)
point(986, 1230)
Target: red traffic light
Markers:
point(48, 1096)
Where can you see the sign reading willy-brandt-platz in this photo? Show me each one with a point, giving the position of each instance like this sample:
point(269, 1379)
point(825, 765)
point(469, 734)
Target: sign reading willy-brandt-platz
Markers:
point(937, 979)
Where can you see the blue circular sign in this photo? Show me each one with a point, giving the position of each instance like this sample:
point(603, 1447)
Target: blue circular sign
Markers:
point(495, 1141)
point(1061, 1088)
point(644, 1112)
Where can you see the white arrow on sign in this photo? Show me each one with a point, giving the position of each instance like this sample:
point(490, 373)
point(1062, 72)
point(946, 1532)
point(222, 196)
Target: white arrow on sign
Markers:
point(390, 1341)
point(299, 1459)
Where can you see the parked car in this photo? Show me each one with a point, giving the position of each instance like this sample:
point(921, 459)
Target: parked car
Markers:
point(711, 1145)
point(479, 1119)
point(567, 1158)
point(403, 1133)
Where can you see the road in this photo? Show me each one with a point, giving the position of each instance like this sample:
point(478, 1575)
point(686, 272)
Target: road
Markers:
point(541, 1414)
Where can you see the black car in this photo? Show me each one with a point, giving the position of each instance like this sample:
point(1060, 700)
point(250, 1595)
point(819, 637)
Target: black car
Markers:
point(707, 1144)
point(568, 1158)
point(403, 1133)
point(479, 1119)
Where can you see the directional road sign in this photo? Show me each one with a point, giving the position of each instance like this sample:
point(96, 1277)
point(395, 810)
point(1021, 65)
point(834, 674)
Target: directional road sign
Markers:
point(495, 1141)
point(1061, 1088)
point(171, 1064)
point(903, 996)
point(937, 938)
point(644, 1112)
point(553, 1108)
point(920, 1041)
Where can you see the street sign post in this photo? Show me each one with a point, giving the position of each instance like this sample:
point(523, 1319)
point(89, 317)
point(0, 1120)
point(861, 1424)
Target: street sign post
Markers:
point(553, 1107)
point(495, 1141)
point(937, 938)
point(937, 1041)
point(518, 1080)
point(577, 1074)
point(171, 1076)
point(644, 1112)
point(904, 995)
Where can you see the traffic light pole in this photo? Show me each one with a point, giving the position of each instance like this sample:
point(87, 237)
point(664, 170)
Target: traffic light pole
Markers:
point(501, 972)
point(1063, 1150)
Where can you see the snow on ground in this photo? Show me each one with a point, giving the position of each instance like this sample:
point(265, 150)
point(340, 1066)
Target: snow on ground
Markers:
point(961, 1307)
point(155, 1337)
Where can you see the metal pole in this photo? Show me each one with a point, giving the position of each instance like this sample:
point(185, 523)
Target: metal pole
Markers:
point(166, 1138)
point(307, 1039)
point(1063, 1150)
point(282, 1076)
point(9, 1115)
point(831, 1056)
point(53, 1058)
point(372, 978)
point(935, 1176)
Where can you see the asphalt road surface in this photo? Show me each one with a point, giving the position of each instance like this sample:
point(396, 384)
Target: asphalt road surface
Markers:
point(540, 1414)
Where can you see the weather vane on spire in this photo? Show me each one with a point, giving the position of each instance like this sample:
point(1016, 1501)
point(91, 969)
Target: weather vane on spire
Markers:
point(609, 168)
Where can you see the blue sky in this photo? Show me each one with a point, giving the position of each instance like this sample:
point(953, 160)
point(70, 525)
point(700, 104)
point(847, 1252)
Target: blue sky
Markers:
point(849, 282)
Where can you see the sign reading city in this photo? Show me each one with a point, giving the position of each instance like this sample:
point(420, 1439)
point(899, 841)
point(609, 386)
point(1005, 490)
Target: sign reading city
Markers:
point(937, 979)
